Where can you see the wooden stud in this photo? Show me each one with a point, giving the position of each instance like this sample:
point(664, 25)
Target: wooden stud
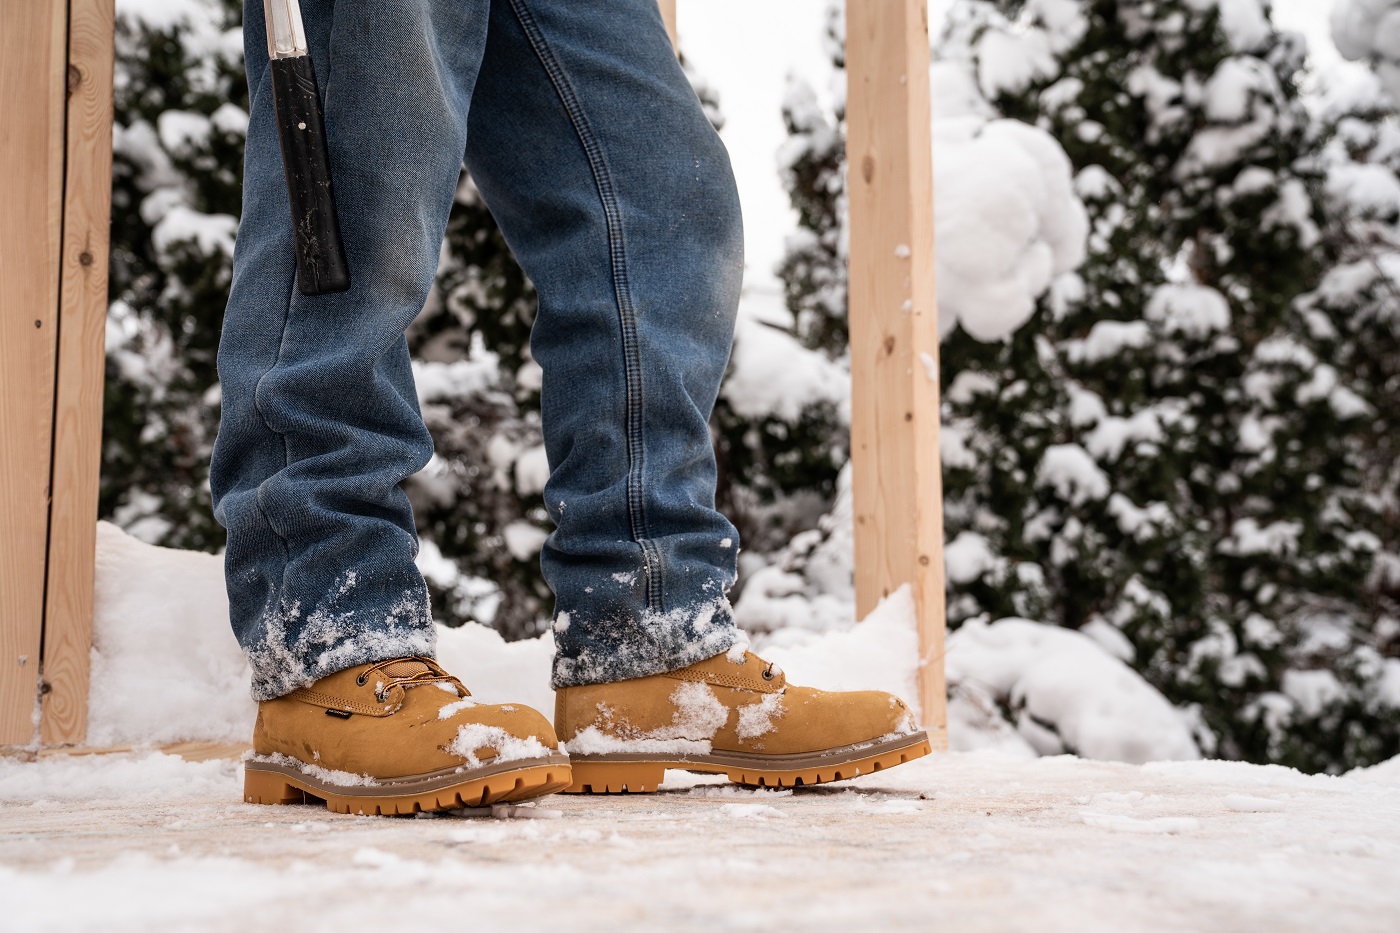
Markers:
point(81, 364)
point(668, 15)
point(32, 77)
point(898, 489)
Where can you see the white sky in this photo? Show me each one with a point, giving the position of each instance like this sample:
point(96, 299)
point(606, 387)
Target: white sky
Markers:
point(746, 49)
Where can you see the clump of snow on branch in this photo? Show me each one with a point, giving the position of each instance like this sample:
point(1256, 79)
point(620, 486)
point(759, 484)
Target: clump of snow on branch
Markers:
point(1007, 218)
point(1369, 30)
point(755, 388)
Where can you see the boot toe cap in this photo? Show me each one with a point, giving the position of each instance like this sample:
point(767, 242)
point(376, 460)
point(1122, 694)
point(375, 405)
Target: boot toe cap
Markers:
point(503, 732)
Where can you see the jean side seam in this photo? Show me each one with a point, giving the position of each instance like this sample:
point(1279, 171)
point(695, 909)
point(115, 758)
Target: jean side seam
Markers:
point(627, 319)
point(257, 406)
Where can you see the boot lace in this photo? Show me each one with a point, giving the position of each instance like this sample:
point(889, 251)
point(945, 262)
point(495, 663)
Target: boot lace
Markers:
point(433, 674)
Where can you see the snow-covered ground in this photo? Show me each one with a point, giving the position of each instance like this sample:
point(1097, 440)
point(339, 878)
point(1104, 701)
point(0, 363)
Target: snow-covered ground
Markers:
point(995, 839)
point(958, 841)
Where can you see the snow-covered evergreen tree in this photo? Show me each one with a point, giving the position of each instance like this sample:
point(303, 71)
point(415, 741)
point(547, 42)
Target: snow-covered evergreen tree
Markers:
point(1369, 31)
point(1182, 448)
point(1229, 532)
point(180, 120)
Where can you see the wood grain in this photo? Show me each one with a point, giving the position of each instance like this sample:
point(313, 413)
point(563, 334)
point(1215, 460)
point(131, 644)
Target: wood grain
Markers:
point(668, 14)
point(190, 751)
point(32, 77)
point(81, 361)
point(898, 488)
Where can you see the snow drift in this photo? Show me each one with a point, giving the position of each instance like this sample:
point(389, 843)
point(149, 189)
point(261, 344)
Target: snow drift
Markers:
point(166, 667)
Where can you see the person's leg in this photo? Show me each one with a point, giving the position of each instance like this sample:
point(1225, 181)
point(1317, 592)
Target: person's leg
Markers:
point(321, 424)
point(320, 421)
point(616, 196)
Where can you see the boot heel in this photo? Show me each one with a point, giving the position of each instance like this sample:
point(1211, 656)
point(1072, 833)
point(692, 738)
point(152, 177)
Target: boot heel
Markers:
point(616, 777)
point(269, 787)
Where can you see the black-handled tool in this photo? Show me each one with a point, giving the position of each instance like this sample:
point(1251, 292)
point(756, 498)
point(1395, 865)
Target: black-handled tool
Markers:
point(321, 266)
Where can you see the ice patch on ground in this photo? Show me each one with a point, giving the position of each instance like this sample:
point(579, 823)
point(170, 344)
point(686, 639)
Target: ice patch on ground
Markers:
point(1244, 803)
point(1129, 824)
point(749, 811)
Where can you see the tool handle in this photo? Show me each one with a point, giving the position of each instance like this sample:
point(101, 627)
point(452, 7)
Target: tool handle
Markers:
point(321, 266)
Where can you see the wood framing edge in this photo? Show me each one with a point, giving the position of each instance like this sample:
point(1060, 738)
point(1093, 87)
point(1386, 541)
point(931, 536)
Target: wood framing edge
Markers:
point(77, 424)
point(32, 64)
point(668, 16)
point(893, 323)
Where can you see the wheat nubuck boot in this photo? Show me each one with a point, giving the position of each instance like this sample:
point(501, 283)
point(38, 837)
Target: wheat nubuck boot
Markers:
point(732, 714)
point(399, 736)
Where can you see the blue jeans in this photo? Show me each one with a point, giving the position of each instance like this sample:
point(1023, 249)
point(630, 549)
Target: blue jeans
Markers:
point(616, 196)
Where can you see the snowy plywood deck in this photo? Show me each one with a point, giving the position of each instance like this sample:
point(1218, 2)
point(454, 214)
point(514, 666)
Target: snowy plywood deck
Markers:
point(953, 842)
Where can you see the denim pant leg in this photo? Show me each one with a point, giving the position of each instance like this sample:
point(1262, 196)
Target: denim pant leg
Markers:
point(320, 420)
point(617, 197)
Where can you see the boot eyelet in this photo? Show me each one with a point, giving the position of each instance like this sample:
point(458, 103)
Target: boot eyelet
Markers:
point(767, 674)
point(360, 681)
point(380, 696)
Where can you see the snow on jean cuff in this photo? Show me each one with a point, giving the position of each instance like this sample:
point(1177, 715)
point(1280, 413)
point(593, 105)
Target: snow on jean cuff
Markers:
point(329, 641)
point(654, 643)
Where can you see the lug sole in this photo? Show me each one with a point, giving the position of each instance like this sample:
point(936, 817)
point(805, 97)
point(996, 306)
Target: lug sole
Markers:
point(639, 774)
point(265, 783)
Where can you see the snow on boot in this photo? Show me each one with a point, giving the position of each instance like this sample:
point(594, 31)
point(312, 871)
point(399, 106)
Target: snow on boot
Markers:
point(399, 736)
point(733, 714)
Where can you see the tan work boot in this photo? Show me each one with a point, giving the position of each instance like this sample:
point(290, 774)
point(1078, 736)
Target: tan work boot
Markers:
point(733, 714)
point(399, 736)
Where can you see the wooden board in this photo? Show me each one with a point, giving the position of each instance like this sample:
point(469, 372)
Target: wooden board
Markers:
point(81, 363)
point(898, 489)
point(668, 14)
point(190, 751)
point(32, 71)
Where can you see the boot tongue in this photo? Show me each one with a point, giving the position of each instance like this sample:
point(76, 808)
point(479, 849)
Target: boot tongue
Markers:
point(407, 667)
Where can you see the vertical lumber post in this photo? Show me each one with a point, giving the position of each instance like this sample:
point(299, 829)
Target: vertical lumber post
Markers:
point(898, 488)
point(33, 66)
point(668, 15)
point(77, 425)
point(55, 185)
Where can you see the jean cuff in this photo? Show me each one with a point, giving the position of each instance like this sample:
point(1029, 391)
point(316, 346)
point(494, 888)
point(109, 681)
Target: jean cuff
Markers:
point(329, 643)
point(600, 651)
